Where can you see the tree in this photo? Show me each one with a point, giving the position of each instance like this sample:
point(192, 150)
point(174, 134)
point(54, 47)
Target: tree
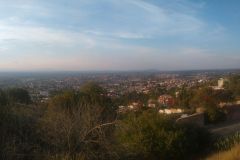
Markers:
point(214, 115)
point(18, 95)
point(210, 99)
point(233, 84)
point(156, 92)
point(203, 97)
point(18, 136)
point(133, 97)
point(3, 98)
point(224, 95)
point(184, 98)
point(93, 89)
point(79, 124)
point(150, 136)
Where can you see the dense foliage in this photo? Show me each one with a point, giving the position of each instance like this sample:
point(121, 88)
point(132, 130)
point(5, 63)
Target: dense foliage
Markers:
point(72, 125)
point(233, 84)
point(79, 124)
point(18, 95)
point(150, 136)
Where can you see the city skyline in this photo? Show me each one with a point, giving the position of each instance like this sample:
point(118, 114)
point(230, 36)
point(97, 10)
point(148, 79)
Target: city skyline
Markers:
point(80, 35)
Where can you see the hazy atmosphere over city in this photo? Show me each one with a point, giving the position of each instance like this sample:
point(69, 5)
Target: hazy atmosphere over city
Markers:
point(119, 35)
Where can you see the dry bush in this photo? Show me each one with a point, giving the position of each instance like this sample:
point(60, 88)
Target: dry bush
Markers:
point(82, 131)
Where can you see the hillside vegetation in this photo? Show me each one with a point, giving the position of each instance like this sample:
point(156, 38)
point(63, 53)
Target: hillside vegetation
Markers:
point(85, 125)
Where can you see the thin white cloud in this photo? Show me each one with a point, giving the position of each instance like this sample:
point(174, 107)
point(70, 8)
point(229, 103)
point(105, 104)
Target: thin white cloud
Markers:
point(128, 19)
point(96, 39)
point(120, 34)
point(141, 19)
point(32, 34)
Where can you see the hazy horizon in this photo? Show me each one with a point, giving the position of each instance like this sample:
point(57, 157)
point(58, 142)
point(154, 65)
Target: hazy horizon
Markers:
point(116, 71)
point(113, 35)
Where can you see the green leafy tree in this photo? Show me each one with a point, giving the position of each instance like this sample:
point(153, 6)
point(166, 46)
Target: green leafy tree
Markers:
point(184, 98)
point(150, 136)
point(224, 95)
point(210, 99)
point(3, 98)
point(19, 138)
point(233, 84)
point(132, 97)
point(156, 92)
point(18, 95)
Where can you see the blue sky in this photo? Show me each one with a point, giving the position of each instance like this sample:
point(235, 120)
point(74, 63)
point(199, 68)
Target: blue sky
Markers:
point(119, 35)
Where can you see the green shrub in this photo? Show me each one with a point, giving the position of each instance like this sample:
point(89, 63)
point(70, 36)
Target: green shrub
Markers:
point(151, 136)
point(214, 115)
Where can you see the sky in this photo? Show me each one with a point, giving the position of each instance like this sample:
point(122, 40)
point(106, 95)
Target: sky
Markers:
point(81, 35)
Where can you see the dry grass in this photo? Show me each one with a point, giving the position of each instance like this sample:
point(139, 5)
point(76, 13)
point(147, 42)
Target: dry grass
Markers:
point(232, 154)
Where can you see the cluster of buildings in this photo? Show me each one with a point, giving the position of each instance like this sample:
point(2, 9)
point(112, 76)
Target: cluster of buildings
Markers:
point(115, 84)
point(145, 86)
point(166, 103)
point(41, 87)
point(163, 101)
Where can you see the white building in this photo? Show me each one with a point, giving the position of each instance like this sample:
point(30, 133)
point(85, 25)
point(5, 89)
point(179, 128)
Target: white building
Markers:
point(220, 85)
point(221, 82)
point(171, 111)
